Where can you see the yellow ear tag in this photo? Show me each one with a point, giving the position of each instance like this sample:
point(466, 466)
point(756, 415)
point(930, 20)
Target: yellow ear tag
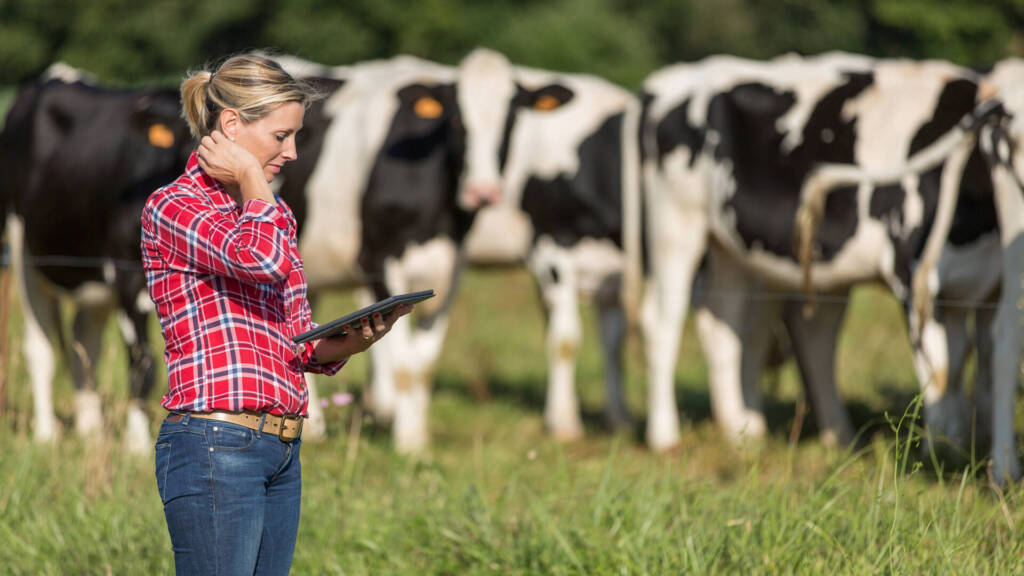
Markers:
point(427, 107)
point(546, 102)
point(161, 136)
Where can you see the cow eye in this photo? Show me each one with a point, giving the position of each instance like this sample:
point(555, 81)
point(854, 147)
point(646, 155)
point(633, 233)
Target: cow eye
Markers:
point(161, 136)
point(546, 102)
point(428, 107)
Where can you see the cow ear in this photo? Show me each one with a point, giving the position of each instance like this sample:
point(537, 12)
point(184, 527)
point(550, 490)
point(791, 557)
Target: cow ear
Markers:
point(546, 99)
point(428, 107)
point(147, 118)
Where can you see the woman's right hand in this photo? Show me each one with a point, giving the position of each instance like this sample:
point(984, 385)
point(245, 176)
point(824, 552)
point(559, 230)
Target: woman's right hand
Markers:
point(233, 166)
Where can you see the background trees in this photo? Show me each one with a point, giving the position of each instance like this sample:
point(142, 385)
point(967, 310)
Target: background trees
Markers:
point(131, 42)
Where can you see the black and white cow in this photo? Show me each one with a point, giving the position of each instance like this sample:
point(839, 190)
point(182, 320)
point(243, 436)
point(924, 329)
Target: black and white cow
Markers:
point(77, 163)
point(384, 203)
point(569, 170)
point(1003, 143)
point(390, 205)
point(741, 155)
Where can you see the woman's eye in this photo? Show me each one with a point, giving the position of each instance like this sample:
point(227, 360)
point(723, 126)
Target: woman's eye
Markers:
point(280, 137)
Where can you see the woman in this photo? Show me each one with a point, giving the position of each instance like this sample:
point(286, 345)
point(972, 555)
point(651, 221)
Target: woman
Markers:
point(223, 268)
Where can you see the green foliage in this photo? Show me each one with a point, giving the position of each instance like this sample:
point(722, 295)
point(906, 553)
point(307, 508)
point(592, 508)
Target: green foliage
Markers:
point(127, 42)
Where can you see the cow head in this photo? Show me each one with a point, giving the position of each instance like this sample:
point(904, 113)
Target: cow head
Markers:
point(489, 96)
point(158, 138)
point(1007, 81)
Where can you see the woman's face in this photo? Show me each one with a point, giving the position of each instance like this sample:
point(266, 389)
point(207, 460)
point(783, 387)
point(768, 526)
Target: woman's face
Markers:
point(271, 139)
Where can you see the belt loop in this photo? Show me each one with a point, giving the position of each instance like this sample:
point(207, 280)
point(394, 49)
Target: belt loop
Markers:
point(259, 429)
point(186, 418)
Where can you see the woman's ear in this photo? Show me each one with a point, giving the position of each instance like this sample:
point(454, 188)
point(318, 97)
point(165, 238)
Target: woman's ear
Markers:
point(229, 123)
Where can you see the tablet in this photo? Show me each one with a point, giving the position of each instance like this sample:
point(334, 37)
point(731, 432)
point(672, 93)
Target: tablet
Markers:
point(353, 321)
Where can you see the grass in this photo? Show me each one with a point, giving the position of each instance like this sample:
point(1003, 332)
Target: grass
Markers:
point(497, 496)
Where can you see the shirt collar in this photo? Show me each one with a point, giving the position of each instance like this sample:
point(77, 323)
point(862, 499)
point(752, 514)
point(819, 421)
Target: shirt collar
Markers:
point(213, 189)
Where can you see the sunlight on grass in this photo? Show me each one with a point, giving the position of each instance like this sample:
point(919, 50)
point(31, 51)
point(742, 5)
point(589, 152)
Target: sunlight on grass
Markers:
point(495, 495)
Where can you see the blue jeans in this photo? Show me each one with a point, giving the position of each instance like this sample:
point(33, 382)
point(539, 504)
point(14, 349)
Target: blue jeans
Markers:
point(230, 495)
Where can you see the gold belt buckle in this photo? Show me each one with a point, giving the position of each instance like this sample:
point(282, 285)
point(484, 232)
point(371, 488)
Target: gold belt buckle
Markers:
point(284, 423)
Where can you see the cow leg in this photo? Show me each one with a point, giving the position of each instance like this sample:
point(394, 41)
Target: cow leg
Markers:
point(87, 340)
point(410, 351)
point(42, 334)
point(141, 376)
point(939, 362)
point(612, 319)
point(719, 325)
point(761, 316)
point(381, 398)
point(677, 243)
point(984, 319)
point(1007, 329)
point(814, 344)
point(315, 426)
point(556, 278)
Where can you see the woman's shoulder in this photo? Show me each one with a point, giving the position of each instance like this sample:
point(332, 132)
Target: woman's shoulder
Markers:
point(184, 189)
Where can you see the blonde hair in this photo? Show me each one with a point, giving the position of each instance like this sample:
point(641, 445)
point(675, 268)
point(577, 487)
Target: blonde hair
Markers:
point(253, 85)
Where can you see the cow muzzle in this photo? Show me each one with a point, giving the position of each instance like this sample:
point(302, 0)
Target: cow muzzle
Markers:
point(478, 195)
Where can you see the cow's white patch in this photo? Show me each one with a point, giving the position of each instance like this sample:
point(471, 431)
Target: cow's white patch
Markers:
point(500, 235)
point(486, 88)
point(127, 328)
point(94, 294)
point(143, 303)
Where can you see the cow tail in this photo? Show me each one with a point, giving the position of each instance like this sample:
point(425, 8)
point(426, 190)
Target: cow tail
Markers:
point(632, 214)
point(808, 219)
point(949, 192)
point(809, 216)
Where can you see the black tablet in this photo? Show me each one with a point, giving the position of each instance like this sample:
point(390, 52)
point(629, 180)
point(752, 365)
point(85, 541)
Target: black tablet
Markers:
point(353, 321)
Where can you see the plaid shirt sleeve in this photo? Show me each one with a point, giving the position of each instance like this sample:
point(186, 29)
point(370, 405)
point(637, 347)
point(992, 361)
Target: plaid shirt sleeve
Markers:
point(195, 237)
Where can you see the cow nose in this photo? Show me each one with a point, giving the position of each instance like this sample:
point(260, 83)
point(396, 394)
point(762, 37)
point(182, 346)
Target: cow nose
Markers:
point(482, 194)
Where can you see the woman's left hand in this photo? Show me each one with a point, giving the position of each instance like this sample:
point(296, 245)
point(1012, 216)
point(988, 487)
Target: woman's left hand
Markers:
point(352, 342)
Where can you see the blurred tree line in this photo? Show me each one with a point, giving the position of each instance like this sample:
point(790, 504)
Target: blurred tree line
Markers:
point(156, 41)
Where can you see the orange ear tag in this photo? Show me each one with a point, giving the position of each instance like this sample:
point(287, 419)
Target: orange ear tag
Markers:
point(546, 102)
point(427, 107)
point(161, 136)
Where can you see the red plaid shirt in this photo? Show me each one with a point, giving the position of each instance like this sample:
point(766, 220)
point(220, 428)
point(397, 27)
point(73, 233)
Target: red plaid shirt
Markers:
point(230, 291)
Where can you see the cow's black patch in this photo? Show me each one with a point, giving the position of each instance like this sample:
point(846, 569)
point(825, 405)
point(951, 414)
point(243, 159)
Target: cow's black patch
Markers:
point(769, 179)
point(410, 195)
point(309, 143)
point(585, 204)
point(675, 130)
point(975, 214)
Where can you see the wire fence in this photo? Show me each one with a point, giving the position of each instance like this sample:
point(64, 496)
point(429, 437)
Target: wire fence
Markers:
point(699, 293)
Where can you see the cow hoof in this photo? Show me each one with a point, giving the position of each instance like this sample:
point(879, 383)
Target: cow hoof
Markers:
point(751, 427)
point(1003, 473)
point(137, 440)
point(88, 416)
point(567, 434)
point(411, 445)
point(662, 443)
point(47, 432)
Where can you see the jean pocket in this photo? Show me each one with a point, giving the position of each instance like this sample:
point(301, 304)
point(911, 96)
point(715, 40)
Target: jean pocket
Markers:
point(229, 437)
point(163, 460)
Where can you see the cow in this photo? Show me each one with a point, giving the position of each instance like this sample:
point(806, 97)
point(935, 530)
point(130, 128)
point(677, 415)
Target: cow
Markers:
point(457, 140)
point(1003, 144)
point(742, 158)
point(78, 162)
point(569, 175)
point(376, 193)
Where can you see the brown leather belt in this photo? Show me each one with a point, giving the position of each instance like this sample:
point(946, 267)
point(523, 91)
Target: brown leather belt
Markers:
point(287, 428)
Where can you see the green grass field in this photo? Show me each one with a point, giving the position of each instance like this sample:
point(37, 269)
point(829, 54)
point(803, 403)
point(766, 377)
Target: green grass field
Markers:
point(496, 496)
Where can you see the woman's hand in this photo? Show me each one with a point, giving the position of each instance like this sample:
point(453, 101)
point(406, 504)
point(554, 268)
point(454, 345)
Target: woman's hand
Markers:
point(234, 167)
point(352, 342)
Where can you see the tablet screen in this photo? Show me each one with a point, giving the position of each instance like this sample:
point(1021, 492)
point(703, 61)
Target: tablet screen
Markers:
point(353, 321)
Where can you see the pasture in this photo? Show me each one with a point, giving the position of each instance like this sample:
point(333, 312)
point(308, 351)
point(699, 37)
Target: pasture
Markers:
point(496, 496)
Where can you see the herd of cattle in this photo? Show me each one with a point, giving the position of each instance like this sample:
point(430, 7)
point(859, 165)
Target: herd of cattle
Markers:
point(804, 174)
